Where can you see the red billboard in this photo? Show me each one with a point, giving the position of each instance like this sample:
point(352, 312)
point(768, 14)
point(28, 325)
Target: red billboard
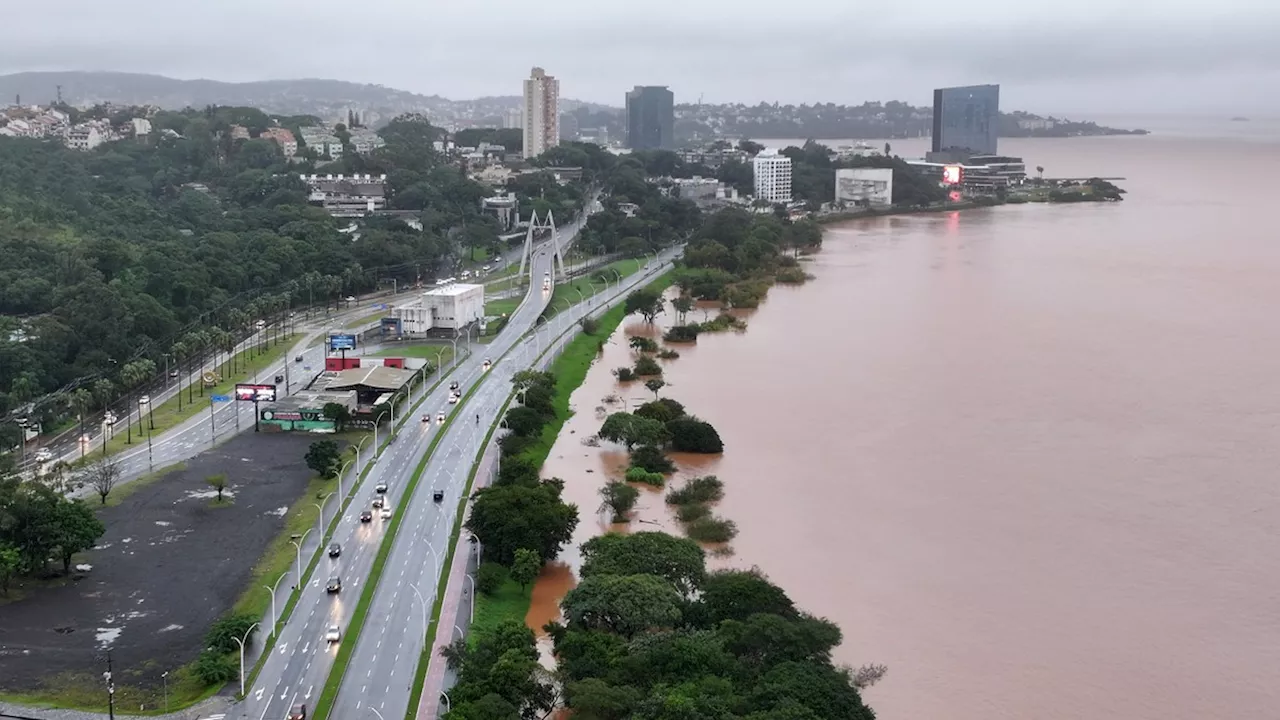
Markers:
point(952, 175)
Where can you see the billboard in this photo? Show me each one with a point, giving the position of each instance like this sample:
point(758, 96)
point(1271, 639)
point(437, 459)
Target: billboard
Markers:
point(255, 393)
point(864, 186)
point(342, 342)
point(392, 326)
point(952, 175)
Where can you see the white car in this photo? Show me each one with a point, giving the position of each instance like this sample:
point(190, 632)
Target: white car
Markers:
point(333, 634)
point(439, 418)
point(144, 400)
point(43, 455)
point(487, 268)
point(386, 513)
point(486, 364)
point(453, 398)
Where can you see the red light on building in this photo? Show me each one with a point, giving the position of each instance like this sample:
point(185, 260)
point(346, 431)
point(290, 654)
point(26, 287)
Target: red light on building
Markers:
point(952, 175)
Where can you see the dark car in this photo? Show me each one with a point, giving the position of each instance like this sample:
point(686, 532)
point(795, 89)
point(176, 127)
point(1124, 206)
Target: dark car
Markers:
point(380, 487)
point(335, 585)
point(335, 549)
point(453, 385)
point(279, 379)
point(298, 359)
point(366, 516)
point(377, 501)
point(299, 712)
point(437, 495)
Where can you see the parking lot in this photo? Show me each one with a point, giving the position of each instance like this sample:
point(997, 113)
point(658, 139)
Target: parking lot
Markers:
point(171, 562)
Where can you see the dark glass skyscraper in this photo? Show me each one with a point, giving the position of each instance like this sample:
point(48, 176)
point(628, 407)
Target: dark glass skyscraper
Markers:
point(651, 118)
point(966, 119)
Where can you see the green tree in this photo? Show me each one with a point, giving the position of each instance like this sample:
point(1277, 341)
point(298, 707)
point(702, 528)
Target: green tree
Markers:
point(323, 457)
point(218, 482)
point(646, 365)
point(77, 529)
point(132, 376)
point(489, 578)
point(739, 594)
point(10, 561)
point(215, 669)
point(506, 518)
point(338, 413)
point(623, 604)
point(693, 435)
point(655, 386)
point(646, 301)
point(525, 566)
point(81, 400)
point(643, 344)
point(678, 560)
point(620, 498)
point(595, 699)
point(682, 304)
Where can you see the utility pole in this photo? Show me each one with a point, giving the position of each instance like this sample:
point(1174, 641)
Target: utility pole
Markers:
point(111, 689)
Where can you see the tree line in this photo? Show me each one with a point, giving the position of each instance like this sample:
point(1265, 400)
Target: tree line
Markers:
point(171, 249)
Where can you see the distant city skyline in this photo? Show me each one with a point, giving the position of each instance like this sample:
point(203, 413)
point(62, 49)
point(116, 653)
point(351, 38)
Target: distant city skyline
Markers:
point(1086, 57)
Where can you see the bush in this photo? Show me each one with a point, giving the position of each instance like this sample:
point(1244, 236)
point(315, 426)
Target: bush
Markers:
point(793, 275)
point(214, 668)
point(646, 365)
point(219, 638)
point(693, 435)
point(662, 410)
point(652, 460)
point(590, 325)
point(490, 577)
point(682, 333)
point(643, 344)
point(524, 421)
point(513, 444)
point(640, 475)
point(711, 530)
point(625, 374)
point(697, 490)
point(667, 354)
point(692, 511)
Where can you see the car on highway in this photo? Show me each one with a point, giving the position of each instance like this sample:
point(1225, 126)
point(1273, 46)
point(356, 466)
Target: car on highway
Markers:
point(144, 400)
point(486, 364)
point(386, 513)
point(546, 284)
point(173, 373)
point(453, 386)
point(279, 379)
point(333, 634)
point(298, 712)
point(437, 495)
point(426, 418)
point(366, 516)
point(334, 585)
point(453, 398)
point(487, 268)
point(381, 487)
point(334, 550)
point(43, 455)
point(262, 324)
point(439, 418)
point(298, 359)
point(377, 501)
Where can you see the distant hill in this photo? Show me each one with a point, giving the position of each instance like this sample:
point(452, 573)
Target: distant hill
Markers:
point(323, 98)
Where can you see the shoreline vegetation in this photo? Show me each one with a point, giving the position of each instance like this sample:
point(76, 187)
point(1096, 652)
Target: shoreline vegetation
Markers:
point(648, 629)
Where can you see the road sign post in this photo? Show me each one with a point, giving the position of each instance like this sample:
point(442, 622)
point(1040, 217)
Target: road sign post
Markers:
point(213, 399)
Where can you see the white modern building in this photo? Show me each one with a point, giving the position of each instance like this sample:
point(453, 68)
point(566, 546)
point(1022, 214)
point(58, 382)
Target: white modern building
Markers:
point(541, 113)
point(772, 176)
point(504, 207)
point(449, 307)
point(83, 138)
point(864, 187)
point(141, 127)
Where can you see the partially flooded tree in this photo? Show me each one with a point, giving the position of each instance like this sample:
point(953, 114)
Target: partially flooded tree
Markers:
point(868, 675)
point(103, 476)
point(217, 482)
point(620, 498)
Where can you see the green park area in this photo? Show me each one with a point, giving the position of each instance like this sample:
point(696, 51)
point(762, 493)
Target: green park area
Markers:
point(173, 412)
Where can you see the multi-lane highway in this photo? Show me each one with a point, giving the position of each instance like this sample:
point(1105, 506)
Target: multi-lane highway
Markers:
point(386, 654)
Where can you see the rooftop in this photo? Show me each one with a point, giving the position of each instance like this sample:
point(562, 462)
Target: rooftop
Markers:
point(377, 377)
point(453, 289)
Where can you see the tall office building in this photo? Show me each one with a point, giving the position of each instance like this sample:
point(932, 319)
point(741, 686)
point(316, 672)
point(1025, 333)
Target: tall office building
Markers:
point(772, 176)
point(966, 121)
point(651, 118)
point(541, 113)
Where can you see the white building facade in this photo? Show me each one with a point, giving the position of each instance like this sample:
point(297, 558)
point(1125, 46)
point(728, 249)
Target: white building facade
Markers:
point(449, 307)
point(772, 177)
point(541, 113)
point(864, 187)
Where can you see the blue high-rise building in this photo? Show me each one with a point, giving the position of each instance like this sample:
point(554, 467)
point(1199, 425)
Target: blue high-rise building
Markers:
point(966, 120)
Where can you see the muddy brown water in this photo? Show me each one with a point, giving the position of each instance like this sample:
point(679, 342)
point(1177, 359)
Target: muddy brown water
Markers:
point(1024, 456)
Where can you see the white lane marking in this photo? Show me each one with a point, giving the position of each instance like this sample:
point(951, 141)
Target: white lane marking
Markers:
point(258, 695)
point(305, 648)
point(283, 646)
point(308, 695)
point(286, 692)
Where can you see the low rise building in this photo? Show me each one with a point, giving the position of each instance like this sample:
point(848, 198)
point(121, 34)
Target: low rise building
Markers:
point(448, 307)
point(84, 137)
point(365, 141)
point(697, 188)
point(505, 207)
point(282, 137)
point(348, 196)
point(239, 132)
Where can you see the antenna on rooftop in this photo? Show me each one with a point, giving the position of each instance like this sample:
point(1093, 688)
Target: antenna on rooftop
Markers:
point(59, 94)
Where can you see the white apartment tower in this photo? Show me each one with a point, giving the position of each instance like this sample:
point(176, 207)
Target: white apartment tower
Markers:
point(541, 113)
point(773, 176)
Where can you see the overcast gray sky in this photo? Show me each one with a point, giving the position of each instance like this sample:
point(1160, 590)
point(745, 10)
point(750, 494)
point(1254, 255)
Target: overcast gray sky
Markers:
point(1081, 56)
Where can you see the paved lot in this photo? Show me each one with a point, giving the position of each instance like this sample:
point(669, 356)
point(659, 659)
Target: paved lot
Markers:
point(169, 564)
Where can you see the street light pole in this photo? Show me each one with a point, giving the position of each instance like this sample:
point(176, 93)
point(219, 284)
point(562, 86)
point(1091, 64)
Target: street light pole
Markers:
point(275, 619)
point(448, 706)
point(241, 643)
point(342, 472)
point(298, 544)
point(424, 608)
point(164, 677)
point(472, 578)
point(111, 689)
point(320, 507)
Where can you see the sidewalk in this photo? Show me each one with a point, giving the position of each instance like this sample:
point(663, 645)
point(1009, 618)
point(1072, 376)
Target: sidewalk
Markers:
point(215, 708)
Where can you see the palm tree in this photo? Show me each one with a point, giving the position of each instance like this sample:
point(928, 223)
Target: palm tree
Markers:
point(131, 375)
point(81, 400)
point(1040, 172)
point(179, 351)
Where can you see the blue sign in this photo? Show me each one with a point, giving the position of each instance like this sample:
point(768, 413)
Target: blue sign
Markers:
point(220, 398)
point(342, 342)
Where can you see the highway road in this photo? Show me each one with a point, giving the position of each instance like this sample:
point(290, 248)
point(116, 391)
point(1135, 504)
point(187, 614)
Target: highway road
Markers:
point(382, 667)
point(386, 656)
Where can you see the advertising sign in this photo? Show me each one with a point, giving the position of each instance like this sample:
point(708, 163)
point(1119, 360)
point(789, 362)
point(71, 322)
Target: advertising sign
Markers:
point(952, 175)
point(256, 393)
point(392, 326)
point(310, 415)
point(342, 342)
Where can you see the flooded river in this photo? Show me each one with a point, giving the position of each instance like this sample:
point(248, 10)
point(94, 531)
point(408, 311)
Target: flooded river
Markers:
point(1023, 456)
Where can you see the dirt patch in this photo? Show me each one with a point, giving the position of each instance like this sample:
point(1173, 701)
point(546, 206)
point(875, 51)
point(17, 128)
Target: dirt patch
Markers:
point(172, 560)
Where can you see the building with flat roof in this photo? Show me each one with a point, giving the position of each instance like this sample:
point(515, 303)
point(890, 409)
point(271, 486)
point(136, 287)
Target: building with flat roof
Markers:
point(541, 113)
point(448, 307)
point(966, 121)
point(772, 176)
point(348, 196)
point(651, 118)
point(303, 411)
point(864, 187)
